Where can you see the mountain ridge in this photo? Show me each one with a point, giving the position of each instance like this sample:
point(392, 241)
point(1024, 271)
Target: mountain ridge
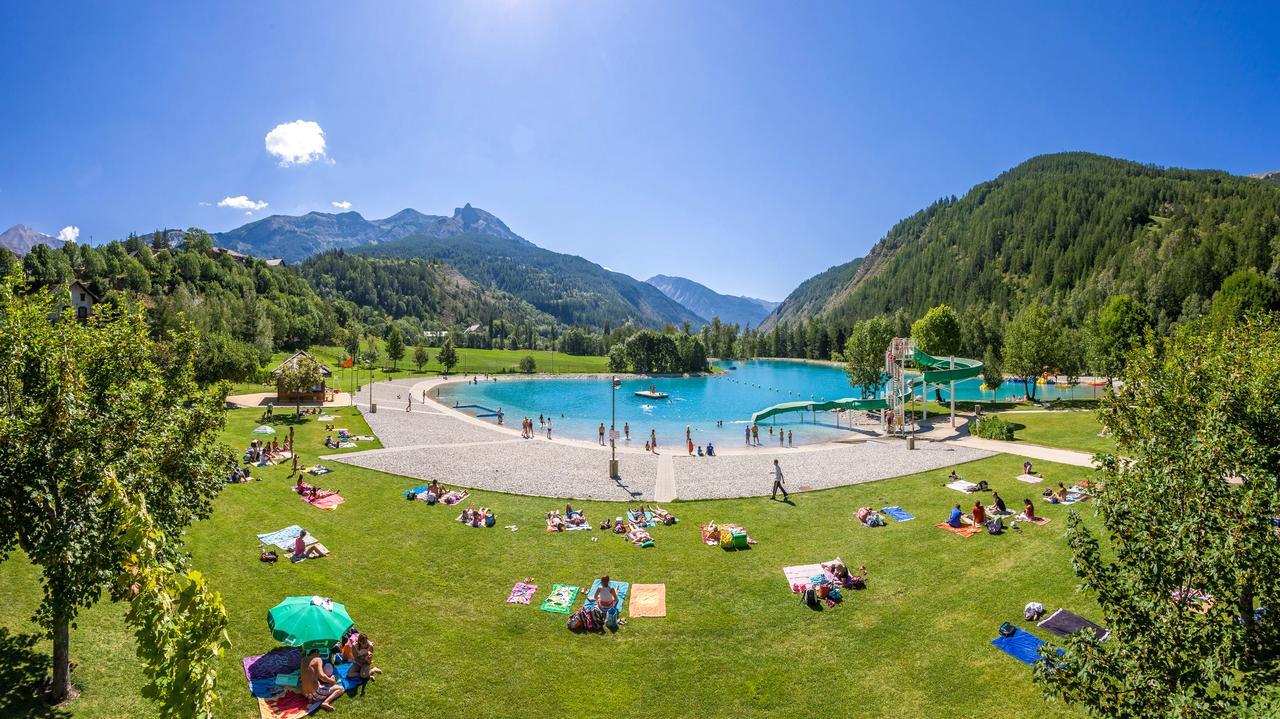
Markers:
point(19, 239)
point(707, 303)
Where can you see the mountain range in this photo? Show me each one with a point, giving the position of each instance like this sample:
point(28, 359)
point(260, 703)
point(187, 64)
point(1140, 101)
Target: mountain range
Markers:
point(19, 239)
point(707, 303)
point(1068, 229)
point(573, 290)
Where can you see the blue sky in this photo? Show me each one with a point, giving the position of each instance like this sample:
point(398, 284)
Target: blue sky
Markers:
point(745, 145)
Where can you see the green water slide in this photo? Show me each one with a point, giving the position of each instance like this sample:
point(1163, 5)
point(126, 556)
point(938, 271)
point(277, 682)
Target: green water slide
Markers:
point(936, 370)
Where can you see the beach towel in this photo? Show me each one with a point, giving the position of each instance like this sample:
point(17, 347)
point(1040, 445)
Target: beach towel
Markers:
point(454, 496)
point(267, 666)
point(645, 521)
point(323, 500)
point(364, 438)
point(318, 470)
point(1029, 478)
point(416, 491)
point(521, 593)
point(648, 600)
point(1022, 646)
point(346, 445)
point(621, 588)
point(1037, 521)
point(799, 576)
point(898, 514)
point(283, 538)
point(965, 531)
point(1063, 622)
point(962, 486)
point(289, 705)
point(561, 599)
point(326, 418)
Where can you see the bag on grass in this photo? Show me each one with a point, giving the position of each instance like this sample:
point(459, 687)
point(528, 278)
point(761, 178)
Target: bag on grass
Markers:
point(268, 556)
point(411, 496)
point(995, 526)
point(809, 597)
point(1008, 630)
point(857, 581)
point(1033, 611)
point(875, 520)
point(586, 619)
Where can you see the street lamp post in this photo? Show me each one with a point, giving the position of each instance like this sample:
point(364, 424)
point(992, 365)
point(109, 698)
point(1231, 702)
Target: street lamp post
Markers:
point(614, 383)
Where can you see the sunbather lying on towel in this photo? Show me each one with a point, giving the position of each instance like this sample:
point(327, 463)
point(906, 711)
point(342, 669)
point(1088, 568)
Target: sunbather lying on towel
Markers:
point(840, 573)
point(481, 517)
point(637, 536)
point(555, 523)
point(454, 497)
point(664, 516)
point(574, 517)
point(1055, 496)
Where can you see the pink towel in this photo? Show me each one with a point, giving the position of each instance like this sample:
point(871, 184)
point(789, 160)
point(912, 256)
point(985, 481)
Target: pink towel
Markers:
point(521, 593)
point(328, 501)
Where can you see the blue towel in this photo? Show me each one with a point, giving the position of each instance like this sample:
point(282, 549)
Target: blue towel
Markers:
point(622, 588)
point(1022, 646)
point(282, 538)
point(348, 683)
point(415, 490)
point(264, 688)
point(897, 513)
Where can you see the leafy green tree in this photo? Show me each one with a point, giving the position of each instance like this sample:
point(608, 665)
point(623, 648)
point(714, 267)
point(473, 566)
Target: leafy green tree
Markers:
point(447, 356)
point(1187, 505)
point(395, 345)
point(992, 372)
point(1121, 325)
point(1071, 357)
point(421, 356)
point(351, 343)
point(1244, 292)
point(528, 364)
point(618, 359)
point(938, 332)
point(1030, 345)
point(864, 353)
point(299, 377)
point(110, 453)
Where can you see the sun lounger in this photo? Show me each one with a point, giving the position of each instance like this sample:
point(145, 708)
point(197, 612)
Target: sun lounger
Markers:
point(1063, 623)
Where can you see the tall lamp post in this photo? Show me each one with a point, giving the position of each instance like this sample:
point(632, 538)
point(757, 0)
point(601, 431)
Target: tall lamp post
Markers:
point(614, 384)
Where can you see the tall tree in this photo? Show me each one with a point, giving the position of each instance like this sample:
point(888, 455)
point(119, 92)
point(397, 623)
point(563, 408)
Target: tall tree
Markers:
point(1190, 553)
point(299, 377)
point(938, 332)
point(1121, 325)
point(421, 356)
point(1244, 292)
point(110, 452)
point(992, 372)
point(1030, 345)
point(447, 356)
point(395, 345)
point(864, 353)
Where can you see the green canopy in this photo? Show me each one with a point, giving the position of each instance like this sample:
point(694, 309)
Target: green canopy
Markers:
point(308, 622)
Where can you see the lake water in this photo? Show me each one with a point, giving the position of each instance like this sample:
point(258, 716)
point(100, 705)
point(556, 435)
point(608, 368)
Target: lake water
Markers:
point(577, 406)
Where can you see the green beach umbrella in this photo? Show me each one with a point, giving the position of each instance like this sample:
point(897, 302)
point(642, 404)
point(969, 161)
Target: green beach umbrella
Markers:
point(263, 429)
point(308, 622)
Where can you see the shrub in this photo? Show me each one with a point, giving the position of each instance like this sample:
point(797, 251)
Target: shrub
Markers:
point(528, 365)
point(993, 427)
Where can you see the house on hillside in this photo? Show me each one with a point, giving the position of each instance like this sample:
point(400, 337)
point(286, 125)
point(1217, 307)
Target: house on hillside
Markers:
point(75, 295)
point(316, 393)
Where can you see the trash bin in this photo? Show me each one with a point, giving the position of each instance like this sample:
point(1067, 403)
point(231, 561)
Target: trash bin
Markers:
point(911, 442)
point(373, 408)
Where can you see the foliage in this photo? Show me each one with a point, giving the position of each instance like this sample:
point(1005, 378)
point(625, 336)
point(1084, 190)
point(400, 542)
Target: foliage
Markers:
point(1031, 345)
point(420, 356)
point(395, 345)
point(528, 364)
point(618, 358)
point(650, 351)
point(1121, 325)
point(299, 377)
point(938, 332)
point(992, 371)
point(864, 354)
point(447, 356)
point(1071, 356)
point(110, 452)
point(992, 426)
point(1244, 292)
point(1187, 505)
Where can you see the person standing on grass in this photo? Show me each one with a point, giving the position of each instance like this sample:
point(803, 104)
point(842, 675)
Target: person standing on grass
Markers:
point(777, 482)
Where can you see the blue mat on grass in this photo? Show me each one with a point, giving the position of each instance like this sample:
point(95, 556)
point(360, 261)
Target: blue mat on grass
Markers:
point(898, 514)
point(622, 588)
point(1023, 646)
point(415, 490)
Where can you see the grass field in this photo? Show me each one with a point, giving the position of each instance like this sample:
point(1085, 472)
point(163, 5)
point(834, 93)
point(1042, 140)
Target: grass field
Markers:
point(469, 360)
point(735, 642)
point(1069, 430)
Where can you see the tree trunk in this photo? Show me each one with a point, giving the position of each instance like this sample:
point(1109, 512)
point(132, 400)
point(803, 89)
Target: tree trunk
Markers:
point(1029, 388)
point(60, 689)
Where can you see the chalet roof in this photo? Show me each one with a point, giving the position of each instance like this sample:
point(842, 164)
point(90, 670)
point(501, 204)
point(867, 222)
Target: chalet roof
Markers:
point(297, 356)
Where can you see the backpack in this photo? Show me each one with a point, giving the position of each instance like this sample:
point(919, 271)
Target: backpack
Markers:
point(995, 526)
point(1033, 611)
point(586, 619)
point(856, 581)
point(431, 498)
point(809, 597)
point(268, 556)
point(1008, 630)
point(875, 520)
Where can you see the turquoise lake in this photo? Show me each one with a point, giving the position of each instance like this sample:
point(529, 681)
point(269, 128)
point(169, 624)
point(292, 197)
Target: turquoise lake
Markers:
point(577, 406)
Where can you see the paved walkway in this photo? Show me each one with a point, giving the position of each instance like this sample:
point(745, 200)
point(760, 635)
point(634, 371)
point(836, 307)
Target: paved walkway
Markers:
point(428, 441)
point(1033, 451)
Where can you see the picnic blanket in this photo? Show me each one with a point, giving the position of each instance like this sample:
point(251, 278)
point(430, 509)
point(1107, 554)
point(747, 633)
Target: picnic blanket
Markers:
point(1022, 646)
point(1029, 478)
point(799, 576)
point(275, 702)
point(284, 538)
point(648, 600)
point(965, 531)
point(1037, 521)
point(621, 588)
point(318, 470)
point(962, 486)
point(1063, 622)
point(289, 705)
point(322, 500)
point(521, 593)
point(898, 514)
point(561, 599)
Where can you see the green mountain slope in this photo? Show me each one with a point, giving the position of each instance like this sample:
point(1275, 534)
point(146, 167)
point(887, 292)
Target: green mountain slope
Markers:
point(1070, 229)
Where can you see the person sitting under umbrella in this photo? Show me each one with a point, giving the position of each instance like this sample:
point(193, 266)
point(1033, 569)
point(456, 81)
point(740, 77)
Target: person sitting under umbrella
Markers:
point(318, 684)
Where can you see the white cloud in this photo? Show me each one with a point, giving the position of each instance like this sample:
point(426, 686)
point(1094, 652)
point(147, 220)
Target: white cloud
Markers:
point(70, 233)
point(296, 143)
point(342, 205)
point(241, 202)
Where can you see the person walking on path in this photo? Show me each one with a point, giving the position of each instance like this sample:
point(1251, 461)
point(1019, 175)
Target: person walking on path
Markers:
point(777, 482)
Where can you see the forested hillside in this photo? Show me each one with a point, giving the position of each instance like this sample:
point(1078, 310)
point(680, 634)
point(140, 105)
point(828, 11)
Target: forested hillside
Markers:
point(573, 290)
point(1070, 230)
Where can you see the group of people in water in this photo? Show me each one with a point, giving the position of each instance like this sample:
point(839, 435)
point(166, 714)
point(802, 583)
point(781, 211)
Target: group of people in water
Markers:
point(751, 436)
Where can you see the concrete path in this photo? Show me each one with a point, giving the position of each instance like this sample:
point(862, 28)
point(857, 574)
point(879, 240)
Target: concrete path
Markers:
point(664, 489)
point(1033, 451)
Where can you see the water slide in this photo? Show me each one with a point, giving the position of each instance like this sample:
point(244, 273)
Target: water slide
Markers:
point(934, 370)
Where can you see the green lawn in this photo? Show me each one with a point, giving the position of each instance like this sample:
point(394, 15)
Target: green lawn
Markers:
point(469, 360)
point(735, 642)
point(1068, 430)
